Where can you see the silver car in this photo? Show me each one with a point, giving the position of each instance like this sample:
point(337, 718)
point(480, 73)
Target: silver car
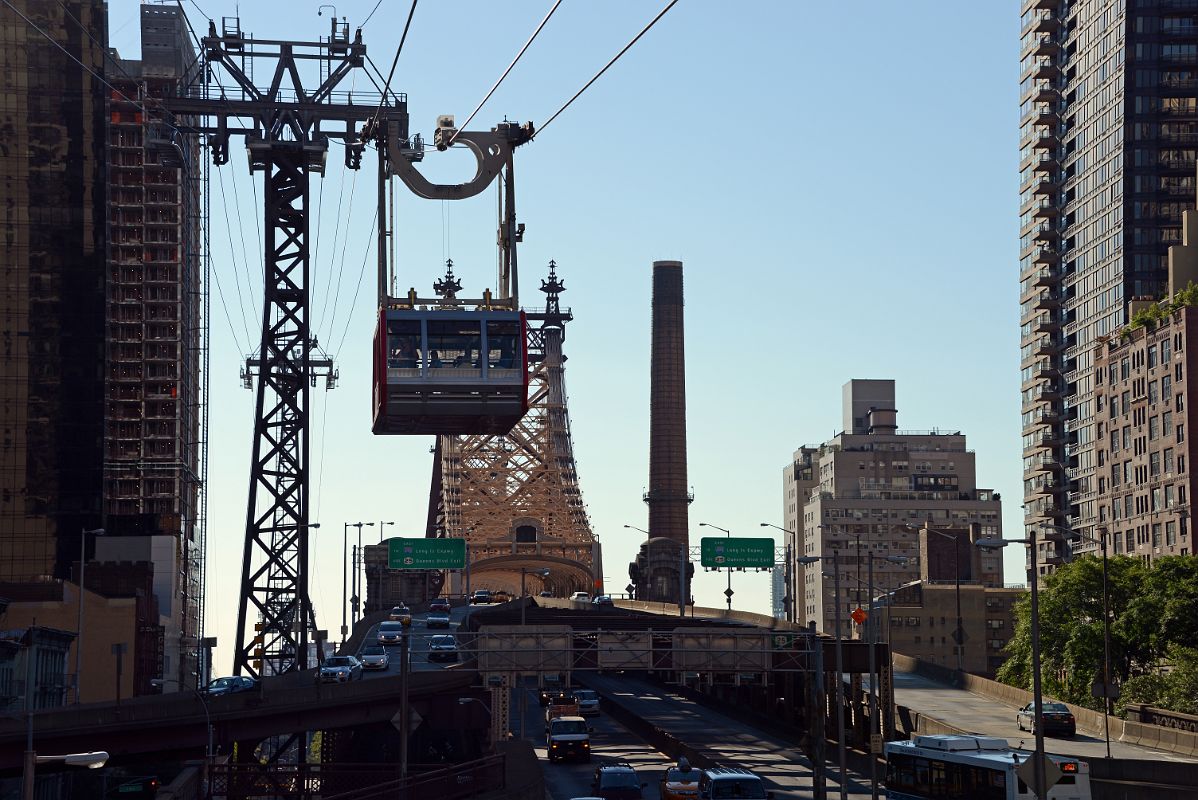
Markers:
point(588, 702)
point(442, 648)
point(391, 632)
point(374, 656)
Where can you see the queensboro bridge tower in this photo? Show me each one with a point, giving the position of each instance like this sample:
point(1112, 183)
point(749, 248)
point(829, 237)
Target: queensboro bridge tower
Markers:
point(661, 571)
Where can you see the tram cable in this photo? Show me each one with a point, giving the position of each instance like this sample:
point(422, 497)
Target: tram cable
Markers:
point(357, 289)
point(371, 14)
point(349, 212)
point(387, 85)
point(245, 253)
point(233, 256)
point(599, 74)
point(523, 49)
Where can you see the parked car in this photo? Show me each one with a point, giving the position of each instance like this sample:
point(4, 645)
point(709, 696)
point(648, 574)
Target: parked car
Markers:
point(339, 669)
point(680, 782)
point(439, 604)
point(437, 619)
point(231, 685)
point(603, 600)
point(481, 597)
point(374, 656)
point(588, 702)
point(442, 648)
point(391, 632)
point(617, 780)
point(732, 782)
point(400, 613)
point(1057, 719)
point(581, 597)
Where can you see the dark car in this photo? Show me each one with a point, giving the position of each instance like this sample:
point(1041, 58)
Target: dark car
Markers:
point(1057, 719)
point(603, 600)
point(481, 597)
point(339, 669)
point(617, 780)
point(439, 604)
point(436, 619)
point(231, 685)
point(442, 648)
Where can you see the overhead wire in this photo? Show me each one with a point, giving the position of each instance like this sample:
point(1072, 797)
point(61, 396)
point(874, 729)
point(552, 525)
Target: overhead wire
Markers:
point(387, 84)
point(353, 185)
point(245, 258)
point(233, 255)
point(599, 74)
point(357, 289)
point(506, 72)
point(371, 14)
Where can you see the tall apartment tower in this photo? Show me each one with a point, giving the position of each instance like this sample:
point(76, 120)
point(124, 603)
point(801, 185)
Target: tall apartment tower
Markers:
point(1109, 131)
point(870, 489)
point(52, 305)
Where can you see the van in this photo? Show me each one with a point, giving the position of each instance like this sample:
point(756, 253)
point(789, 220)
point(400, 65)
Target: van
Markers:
point(567, 737)
point(722, 782)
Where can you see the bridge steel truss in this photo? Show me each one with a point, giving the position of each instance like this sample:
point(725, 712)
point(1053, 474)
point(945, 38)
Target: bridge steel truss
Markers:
point(488, 489)
point(282, 128)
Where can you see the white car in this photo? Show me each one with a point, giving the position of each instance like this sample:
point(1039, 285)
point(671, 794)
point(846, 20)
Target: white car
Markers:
point(374, 656)
point(581, 597)
point(588, 702)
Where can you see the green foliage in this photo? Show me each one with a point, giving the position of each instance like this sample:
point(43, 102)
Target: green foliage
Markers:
point(1156, 313)
point(1152, 621)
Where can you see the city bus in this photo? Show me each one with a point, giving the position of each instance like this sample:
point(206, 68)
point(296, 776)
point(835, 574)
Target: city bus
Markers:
point(945, 767)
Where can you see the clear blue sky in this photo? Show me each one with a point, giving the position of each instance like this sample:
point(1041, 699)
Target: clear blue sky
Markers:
point(840, 182)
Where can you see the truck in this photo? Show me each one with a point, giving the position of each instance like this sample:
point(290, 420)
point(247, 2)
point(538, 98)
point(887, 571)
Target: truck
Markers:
point(561, 704)
point(567, 737)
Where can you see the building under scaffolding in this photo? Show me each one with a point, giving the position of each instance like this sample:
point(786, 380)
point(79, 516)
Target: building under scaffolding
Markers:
point(100, 315)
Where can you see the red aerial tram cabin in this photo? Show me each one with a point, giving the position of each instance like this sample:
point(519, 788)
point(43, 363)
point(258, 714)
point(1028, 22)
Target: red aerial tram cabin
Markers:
point(449, 372)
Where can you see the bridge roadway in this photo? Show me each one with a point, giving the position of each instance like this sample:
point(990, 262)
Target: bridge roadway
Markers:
point(972, 712)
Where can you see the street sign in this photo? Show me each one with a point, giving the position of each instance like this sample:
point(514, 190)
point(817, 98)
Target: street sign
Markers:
point(859, 616)
point(1098, 690)
point(783, 641)
point(1027, 772)
point(735, 552)
point(414, 720)
point(875, 743)
point(960, 637)
point(413, 553)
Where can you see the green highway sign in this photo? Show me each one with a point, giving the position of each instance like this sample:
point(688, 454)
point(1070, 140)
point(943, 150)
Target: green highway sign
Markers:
point(426, 553)
point(735, 552)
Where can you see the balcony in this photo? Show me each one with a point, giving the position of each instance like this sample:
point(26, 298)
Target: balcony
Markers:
point(1045, 46)
point(1048, 301)
point(1046, 70)
point(1044, 464)
point(1046, 93)
point(1044, 416)
point(1048, 139)
point(1046, 185)
point(1046, 209)
point(1042, 441)
point(1047, 255)
point(1049, 390)
point(1045, 21)
point(1047, 346)
point(1049, 5)
point(1046, 163)
point(1045, 232)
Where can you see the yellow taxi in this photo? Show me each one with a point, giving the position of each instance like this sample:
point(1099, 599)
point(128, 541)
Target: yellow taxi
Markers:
point(680, 782)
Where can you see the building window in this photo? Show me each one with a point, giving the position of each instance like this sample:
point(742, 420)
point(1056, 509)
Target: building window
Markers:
point(1156, 534)
point(1168, 465)
point(1181, 432)
point(1154, 463)
point(1151, 357)
point(1169, 503)
point(1167, 423)
point(1153, 396)
point(1170, 533)
point(1154, 428)
point(1130, 538)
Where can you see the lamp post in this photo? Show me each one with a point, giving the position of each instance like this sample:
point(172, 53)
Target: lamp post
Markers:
point(959, 636)
point(345, 570)
point(79, 621)
point(843, 778)
point(728, 592)
point(542, 573)
point(788, 575)
point(1106, 625)
point(92, 760)
point(382, 533)
point(1037, 692)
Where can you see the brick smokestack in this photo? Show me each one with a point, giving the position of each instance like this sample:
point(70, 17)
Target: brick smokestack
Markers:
point(668, 497)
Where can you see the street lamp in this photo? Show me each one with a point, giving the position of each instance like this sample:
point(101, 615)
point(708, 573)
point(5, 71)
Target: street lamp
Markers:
point(843, 778)
point(959, 636)
point(382, 533)
point(92, 760)
point(787, 574)
point(1106, 624)
point(1039, 784)
point(542, 573)
point(728, 592)
point(345, 570)
point(79, 621)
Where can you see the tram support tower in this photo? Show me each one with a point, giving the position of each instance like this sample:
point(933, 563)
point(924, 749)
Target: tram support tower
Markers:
point(282, 128)
point(658, 570)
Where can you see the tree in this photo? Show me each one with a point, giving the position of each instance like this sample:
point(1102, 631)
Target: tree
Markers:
point(1152, 618)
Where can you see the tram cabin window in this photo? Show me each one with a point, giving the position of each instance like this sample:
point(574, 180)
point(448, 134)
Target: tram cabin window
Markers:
point(924, 777)
point(454, 344)
point(503, 344)
point(403, 344)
